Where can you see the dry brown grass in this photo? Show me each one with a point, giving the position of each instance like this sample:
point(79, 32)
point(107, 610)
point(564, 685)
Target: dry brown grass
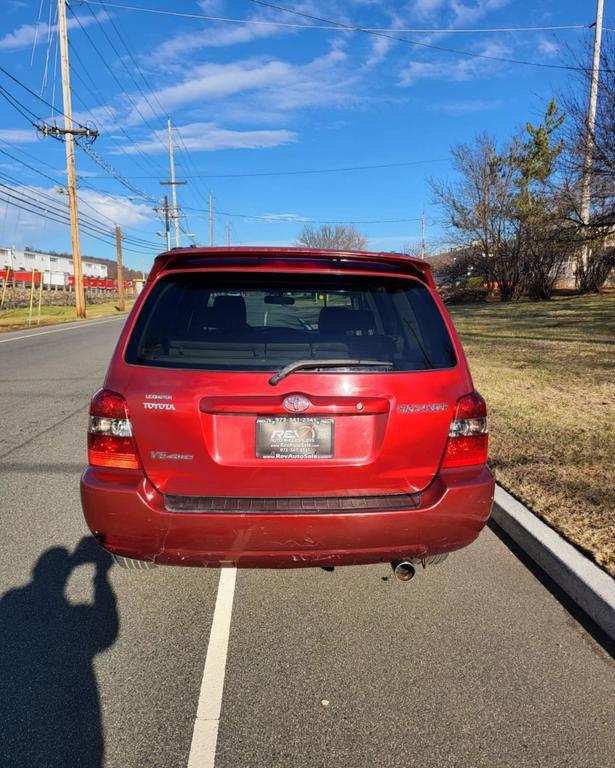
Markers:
point(17, 319)
point(547, 373)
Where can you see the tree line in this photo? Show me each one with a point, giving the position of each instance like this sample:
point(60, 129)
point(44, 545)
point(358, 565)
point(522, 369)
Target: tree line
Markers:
point(513, 211)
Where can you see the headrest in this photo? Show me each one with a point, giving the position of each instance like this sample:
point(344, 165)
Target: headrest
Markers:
point(341, 320)
point(229, 312)
point(205, 317)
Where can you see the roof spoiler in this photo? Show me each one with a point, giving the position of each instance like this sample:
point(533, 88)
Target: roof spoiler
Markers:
point(181, 257)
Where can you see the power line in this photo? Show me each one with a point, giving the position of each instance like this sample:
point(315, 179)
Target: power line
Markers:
point(112, 73)
point(134, 62)
point(58, 183)
point(113, 118)
point(52, 214)
point(55, 205)
point(24, 111)
point(149, 90)
point(275, 218)
point(182, 146)
point(36, 96)
point(112, 171)
point(301, 172)
point(457, 51)
point(265, 22)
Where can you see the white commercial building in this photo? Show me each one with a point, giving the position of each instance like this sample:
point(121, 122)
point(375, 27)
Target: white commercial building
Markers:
point(56, 268)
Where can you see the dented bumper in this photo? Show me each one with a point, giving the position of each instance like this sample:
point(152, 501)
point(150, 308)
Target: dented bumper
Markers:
point(127, 515)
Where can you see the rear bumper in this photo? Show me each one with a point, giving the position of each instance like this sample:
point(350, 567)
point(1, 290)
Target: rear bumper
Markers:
point(127, 516)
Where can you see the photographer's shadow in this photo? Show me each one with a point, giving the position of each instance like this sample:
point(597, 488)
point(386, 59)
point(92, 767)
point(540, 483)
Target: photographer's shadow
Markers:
point(49, 703)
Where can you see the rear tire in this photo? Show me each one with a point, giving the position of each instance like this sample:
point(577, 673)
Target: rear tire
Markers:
point(133, 565)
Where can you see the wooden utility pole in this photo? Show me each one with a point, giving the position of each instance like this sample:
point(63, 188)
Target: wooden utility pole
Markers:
point(167, 222)
point(69, 142)
point(591, 125)
point(173, 184)
point(120, 271)
point(211, 219)
point(167, 219)
point(175, 210)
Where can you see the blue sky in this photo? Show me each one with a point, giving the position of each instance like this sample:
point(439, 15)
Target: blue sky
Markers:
point(266, 100)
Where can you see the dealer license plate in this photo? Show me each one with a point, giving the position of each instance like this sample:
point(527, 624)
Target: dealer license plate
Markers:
point(294, 438)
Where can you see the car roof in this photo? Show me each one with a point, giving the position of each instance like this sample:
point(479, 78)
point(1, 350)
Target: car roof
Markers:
point(176, 258)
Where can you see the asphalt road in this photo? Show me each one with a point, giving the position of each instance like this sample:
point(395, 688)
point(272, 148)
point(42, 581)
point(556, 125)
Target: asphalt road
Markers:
point(474, 663)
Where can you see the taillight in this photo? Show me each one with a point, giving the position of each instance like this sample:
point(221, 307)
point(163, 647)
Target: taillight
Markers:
point(468, 433)
point(110, 439)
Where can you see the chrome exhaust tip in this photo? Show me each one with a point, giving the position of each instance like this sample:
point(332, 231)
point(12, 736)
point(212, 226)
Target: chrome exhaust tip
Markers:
point(403, 569)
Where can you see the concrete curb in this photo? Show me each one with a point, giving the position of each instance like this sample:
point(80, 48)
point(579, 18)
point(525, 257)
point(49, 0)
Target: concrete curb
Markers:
point(589, 586)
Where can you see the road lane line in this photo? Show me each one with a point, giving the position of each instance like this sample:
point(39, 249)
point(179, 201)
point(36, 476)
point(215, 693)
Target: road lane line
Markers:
point(68, 328)
point(205, 733)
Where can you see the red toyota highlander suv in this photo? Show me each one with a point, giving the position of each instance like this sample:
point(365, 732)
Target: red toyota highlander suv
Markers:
point(274, 408)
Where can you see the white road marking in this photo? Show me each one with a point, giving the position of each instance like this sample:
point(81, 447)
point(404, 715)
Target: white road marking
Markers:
point(205, 733)
point(68, 328)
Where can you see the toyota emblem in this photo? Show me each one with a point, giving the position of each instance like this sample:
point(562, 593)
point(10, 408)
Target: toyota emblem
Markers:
point(296, 403)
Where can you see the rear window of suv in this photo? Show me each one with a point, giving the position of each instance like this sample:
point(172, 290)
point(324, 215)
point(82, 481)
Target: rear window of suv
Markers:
point(261, 322)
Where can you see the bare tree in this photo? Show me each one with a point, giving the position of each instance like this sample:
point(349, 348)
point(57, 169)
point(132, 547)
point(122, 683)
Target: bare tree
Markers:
point(594, 233)
point(339, 237)
point(508, 212)
point(479, 210)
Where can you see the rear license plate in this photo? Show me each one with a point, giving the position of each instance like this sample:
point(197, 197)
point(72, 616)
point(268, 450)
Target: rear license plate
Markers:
point(294, 438)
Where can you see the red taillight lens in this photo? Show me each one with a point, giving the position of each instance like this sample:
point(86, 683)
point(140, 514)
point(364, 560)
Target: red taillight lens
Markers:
point(110, 439)
point(468, 433)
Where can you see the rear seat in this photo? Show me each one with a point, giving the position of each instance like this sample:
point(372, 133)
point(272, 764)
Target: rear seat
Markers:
point(357, 329)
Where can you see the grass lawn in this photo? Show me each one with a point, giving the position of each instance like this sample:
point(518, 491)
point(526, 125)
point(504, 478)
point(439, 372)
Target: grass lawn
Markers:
point(15, 319)
point(547, 371)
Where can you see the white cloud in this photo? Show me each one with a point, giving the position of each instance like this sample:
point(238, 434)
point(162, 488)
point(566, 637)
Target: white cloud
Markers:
point(455, 12)
point(424, 8)
point(548, 47)
point(120, 210)
point(266, 85)
point(380, 46)
point(182, 44)
point(103, 118)
point(463, 68)
point(290, 217)
point(470, 13)
point(211, 6)
point(466, 107)
point(212, 81)
point(28, 34)
point(208, 137)
point(19, 135)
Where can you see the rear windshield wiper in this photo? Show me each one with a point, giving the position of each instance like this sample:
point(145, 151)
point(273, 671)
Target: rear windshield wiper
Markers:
point(326, 363)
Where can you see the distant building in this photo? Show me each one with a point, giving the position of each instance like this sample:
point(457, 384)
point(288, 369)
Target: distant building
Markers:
point(57, 269)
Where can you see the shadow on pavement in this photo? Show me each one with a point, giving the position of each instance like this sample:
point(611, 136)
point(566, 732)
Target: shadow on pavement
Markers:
point(49, 704)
